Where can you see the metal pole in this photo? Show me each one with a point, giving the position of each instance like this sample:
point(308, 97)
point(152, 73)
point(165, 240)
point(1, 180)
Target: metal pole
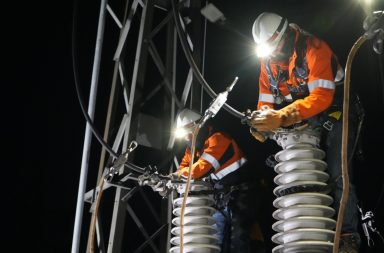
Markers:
point(88, 133)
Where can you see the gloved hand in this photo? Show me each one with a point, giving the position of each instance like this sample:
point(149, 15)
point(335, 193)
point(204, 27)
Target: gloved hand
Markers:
point(270, 120)
point(290, 114)
point(183, 172)
point(257, 135)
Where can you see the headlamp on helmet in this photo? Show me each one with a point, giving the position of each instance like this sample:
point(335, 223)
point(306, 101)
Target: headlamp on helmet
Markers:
point(268, 30)
point(186, 122)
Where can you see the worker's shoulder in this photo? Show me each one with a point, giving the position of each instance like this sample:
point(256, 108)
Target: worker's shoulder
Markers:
point(221, 134)
point(317, 45)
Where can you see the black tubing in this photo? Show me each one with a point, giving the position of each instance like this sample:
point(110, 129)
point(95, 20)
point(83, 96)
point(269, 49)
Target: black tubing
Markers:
point(195, 69)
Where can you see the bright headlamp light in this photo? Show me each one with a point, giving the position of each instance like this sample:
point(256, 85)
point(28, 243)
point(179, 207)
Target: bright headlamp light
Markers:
point(263, 50)
point(180, 132)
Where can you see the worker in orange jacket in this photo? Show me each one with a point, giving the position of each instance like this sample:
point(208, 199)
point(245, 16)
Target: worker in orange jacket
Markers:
point(298, 83)
point(219, 159)
point(300, 76)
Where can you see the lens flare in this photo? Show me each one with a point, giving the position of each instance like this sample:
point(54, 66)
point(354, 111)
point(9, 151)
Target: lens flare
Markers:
point(180, 132)
point(263, 50)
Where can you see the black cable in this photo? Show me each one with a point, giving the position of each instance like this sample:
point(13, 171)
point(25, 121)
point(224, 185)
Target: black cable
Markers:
point(358, 132)
point(78, 91)
point(195, 69)
point(81, 101)
point(134, 167)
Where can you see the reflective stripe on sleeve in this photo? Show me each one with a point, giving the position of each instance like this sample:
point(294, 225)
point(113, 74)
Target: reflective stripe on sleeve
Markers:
point(209, 158)
point(266, 98)
point(321, 84)
point(235, 165)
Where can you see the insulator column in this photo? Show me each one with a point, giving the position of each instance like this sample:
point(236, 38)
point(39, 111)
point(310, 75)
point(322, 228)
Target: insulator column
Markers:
point(304, 216)
point(199, 225)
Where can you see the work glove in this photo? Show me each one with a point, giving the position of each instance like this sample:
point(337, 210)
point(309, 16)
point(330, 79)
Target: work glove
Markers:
point(183, 172)
point(257, 135)
point(269, 120)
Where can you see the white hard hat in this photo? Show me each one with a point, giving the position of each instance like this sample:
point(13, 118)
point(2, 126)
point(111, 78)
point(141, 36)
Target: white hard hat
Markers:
point(186, 117)
point(268, 29)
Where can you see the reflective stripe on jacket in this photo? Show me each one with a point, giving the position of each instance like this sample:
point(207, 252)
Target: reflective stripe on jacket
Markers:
point(220, 155)
point(315, 94)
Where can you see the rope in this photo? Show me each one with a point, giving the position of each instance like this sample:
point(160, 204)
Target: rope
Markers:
point(91, 235)
point(344, 144)
point(194, 137)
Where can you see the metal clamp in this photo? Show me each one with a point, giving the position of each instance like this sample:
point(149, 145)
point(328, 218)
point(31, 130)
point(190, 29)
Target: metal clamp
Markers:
point(328, 125)
point(119, 162)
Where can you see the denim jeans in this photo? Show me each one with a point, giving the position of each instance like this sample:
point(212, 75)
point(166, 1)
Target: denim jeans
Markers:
point(232, 237)
point(332, 147)
point(235, 220)
point(221, 220)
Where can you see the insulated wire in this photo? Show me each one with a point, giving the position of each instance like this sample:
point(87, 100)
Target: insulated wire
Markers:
point(344, 144)
point(94, 131)
point(195, 69)
point(78, 91)
point(356, 140)
point(81, 100)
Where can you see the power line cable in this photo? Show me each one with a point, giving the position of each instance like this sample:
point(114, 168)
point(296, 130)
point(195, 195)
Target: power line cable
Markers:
point(78, 91)
point(195, 69)
point(81, 100)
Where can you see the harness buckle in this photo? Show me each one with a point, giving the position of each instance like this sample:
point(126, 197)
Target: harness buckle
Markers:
point(328, 125)
point(279, 99)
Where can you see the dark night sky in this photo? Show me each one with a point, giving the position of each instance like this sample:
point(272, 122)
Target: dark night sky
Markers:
point(58, 125)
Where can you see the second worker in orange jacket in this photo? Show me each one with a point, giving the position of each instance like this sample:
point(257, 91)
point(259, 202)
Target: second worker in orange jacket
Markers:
point(219, 160)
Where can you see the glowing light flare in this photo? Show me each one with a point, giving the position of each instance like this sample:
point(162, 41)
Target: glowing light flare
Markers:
point(180, 132)
point(263, 50)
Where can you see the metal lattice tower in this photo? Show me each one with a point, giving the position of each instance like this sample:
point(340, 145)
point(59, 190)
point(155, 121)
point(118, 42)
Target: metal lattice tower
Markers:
point(150, 82)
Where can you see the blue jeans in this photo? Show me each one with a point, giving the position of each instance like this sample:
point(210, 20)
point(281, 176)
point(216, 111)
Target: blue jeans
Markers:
point(232, 237)
point(235, 220)
point(220, 225)
point(332, 146)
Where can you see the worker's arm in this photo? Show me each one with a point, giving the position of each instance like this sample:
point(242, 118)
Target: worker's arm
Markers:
point(322, 69)
point(209, 160)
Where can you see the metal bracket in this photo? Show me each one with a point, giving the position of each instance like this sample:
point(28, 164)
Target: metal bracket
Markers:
point(328, 125)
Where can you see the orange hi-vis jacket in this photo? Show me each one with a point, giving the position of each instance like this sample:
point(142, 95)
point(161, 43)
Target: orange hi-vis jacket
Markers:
point(220, 155)
point(313, 94)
